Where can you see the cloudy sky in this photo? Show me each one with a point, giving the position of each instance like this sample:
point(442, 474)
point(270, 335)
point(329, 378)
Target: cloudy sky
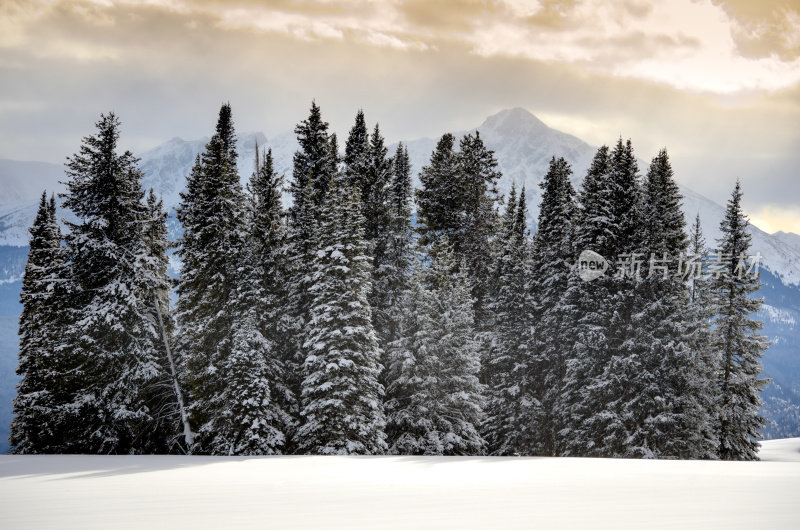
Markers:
point(717, 82)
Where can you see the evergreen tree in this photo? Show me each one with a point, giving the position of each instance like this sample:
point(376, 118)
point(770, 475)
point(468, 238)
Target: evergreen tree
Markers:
point(255, 419)
point(510, 408)
point(312, 163)
point(479, 221)
point(598, 315)
point(665, 416)
point(340, 393)
point(268, 236)
point(611, 391)
point(439, 201)
point(111, 334)
point(704, 358)
point(211, 212)
point(356, 155)
point(551, 261)
point(584, 308)
point(393, 272)
point(458, 201)
point(435, 405)
point(36, 426)
point(736, 338)
point(252, 420)
point(314, 167)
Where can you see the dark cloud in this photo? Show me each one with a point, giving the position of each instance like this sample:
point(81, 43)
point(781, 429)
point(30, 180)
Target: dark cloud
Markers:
point(767, 27)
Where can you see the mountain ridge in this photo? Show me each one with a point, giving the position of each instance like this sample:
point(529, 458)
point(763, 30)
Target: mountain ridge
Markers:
point(523, 146)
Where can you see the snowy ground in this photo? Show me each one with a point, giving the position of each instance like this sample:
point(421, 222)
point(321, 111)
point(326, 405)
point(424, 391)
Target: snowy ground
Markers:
point(399, 492)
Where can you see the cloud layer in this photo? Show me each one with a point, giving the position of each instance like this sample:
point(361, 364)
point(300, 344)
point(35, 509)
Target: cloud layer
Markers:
point(717, 82)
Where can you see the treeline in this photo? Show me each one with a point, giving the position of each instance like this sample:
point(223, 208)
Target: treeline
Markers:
point(342, 325)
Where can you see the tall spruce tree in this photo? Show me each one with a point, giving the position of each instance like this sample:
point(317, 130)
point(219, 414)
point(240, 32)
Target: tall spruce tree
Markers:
point(552, 258)
point(313, 170)
point(357, 155)
point(598, 314)
point(435, 398)
point(37, 425)
point(458, 201)
point(736, 338)
point(509, 408)
point(313, 162)
point(341, 397)
point(111, 334)
point(439, 200)
point(584, 308)
point(255, 419)
point(699, 338)
point(211, 212)
point(610, 390)
point(479, 220)
point(393, 273)
point(665, 417)
point(268, 235)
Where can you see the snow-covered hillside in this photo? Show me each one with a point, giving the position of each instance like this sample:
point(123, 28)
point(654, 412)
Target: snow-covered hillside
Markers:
point(398, 492)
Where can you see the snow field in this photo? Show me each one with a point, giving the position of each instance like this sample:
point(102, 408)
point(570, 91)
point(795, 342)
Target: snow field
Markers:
point(399, 492)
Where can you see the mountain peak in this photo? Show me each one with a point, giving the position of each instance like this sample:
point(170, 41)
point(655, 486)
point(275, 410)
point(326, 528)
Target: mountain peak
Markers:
point(516, 119)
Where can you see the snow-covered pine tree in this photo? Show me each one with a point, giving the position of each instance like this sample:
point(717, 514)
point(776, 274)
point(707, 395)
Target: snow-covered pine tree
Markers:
point(376, 208)
point(435, 397)
point(268, 235)
point(510, 411)
point(211, 212)
point(473, 241)
point(439, 201)
point(341, 397)
point(610, 392)
point(111, 334)
point(313, 162)
point(37, 423)
point(253, 420)
point(356, 154)
point(598, 314)
point(393, 274)
point(458, 200)
point(665, 417)
point(704, 358)
point(552, 258)
point(736, 338)
point(312, 173)
point(584, 309)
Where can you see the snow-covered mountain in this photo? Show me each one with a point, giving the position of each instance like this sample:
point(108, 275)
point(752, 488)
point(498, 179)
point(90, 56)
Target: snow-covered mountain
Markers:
point(523, 145)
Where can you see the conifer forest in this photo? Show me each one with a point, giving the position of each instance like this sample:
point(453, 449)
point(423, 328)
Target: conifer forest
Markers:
point(362, 316)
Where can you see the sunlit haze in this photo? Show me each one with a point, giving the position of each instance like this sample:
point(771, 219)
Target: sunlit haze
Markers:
point(716, 82)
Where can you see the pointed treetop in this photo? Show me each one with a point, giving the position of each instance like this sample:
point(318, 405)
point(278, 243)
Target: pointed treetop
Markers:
point(225, 130)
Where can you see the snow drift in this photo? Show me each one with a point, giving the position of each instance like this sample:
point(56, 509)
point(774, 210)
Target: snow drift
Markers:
point(399, 492)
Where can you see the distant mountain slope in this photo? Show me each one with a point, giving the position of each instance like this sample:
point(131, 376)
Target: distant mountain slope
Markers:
point(523, 145)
